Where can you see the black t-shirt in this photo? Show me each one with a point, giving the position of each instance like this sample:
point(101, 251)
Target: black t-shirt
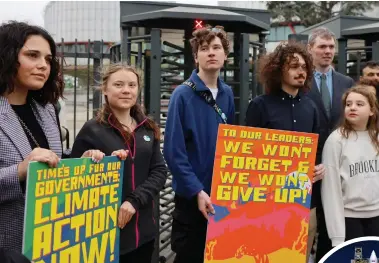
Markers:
point(25, 113)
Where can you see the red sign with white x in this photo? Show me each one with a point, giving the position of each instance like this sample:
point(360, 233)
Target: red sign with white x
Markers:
point(198, 24)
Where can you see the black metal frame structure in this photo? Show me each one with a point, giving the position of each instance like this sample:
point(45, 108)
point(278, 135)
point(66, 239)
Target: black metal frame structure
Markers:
point(143, 45)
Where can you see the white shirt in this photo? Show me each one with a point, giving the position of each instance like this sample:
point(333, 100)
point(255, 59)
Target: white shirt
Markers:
point(214, 92)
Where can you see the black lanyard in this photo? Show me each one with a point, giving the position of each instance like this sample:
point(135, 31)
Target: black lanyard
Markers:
point(208, 99)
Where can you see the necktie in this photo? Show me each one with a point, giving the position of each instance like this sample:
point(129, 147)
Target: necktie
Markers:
point(325, 95)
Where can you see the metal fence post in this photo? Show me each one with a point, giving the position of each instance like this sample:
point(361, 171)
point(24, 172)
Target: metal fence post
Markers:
point(154, 108)
point(189, 61)
point(125, 46)
point(342, 60)
point(262, 51)
point(96, 102)
point(243, 77)
point(375, 51)
point(262, 40)
point(254, 79)
point(146, 80)
point(155, 75)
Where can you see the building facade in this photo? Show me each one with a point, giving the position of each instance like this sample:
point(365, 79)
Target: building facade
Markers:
point(77, 22)
point(83, 20)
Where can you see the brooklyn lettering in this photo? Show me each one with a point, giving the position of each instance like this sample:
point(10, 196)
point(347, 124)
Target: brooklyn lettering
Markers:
point(370, 166)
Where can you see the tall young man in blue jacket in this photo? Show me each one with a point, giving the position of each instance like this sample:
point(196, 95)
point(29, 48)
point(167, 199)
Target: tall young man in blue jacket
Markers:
point(196, 109)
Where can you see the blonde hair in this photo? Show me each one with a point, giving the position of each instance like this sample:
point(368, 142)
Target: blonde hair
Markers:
point(321, 32)
point(105, 114)
point(108, 70)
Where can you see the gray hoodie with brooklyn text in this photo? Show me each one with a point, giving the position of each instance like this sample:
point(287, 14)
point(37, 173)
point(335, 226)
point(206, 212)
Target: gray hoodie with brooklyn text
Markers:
point(351, 183)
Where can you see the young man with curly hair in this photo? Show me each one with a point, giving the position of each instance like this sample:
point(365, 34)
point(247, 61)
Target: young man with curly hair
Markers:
point(286, 75)
point(196, 109)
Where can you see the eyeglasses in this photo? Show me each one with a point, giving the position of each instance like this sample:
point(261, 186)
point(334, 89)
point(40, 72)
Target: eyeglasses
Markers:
point(216, 30)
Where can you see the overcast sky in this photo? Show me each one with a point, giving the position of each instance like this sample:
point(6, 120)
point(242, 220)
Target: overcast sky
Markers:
point(29, 11)
point(32, 11)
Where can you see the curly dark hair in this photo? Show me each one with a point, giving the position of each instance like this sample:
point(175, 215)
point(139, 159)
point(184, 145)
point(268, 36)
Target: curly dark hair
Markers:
point(207, 34)
point(13, 36)
point(272, 66)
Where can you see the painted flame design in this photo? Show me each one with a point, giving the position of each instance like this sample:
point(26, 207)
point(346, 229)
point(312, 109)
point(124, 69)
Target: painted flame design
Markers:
point(261, 259)
point(241, 251)
point(301, 243)
point(209, 249)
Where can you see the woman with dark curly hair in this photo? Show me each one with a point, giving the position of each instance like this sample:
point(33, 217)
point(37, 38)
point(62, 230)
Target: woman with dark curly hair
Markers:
point(286, 75)
point(30, 84)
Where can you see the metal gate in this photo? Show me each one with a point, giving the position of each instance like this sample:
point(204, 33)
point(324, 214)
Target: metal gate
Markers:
point(355, 57)
point(166, 65)
point(80, 65)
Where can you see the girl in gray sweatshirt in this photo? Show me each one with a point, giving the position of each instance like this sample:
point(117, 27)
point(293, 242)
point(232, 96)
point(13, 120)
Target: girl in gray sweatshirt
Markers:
point(349, 192)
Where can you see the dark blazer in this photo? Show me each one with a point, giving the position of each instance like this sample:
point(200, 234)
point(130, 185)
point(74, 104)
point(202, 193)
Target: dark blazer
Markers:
point(14, 148)
point(341, 83)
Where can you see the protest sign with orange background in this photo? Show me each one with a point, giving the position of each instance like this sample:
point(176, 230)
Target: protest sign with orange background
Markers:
point(261, 191)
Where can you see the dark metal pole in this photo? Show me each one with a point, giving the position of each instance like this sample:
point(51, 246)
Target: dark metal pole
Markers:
point(244, 64)
point(154, 110)
point(96, 102)
point(342, 44)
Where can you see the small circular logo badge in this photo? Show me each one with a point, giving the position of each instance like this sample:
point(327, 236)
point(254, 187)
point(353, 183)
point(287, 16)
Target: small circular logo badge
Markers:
point(146, 138)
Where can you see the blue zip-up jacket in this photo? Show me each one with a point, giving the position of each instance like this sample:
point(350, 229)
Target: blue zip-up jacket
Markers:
point(191, 135)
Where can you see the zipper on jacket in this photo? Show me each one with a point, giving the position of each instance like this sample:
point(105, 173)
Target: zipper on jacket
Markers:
point(152, 214)
point(132, 155)
point(137, 214)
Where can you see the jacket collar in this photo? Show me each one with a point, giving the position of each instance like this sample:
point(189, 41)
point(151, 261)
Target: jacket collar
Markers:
point(11, 126)
point(200, 85)
point(318, 74)
point(285, 96)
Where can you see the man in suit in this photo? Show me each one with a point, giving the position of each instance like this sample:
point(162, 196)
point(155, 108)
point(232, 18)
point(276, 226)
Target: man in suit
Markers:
point(327, 89)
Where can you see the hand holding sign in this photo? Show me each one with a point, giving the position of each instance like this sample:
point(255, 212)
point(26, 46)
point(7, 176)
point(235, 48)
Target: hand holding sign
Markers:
point(39, 155)
point(319, 172)
point(96, 155)
point(122, 154)
point(72, 210)
point(205, 204)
